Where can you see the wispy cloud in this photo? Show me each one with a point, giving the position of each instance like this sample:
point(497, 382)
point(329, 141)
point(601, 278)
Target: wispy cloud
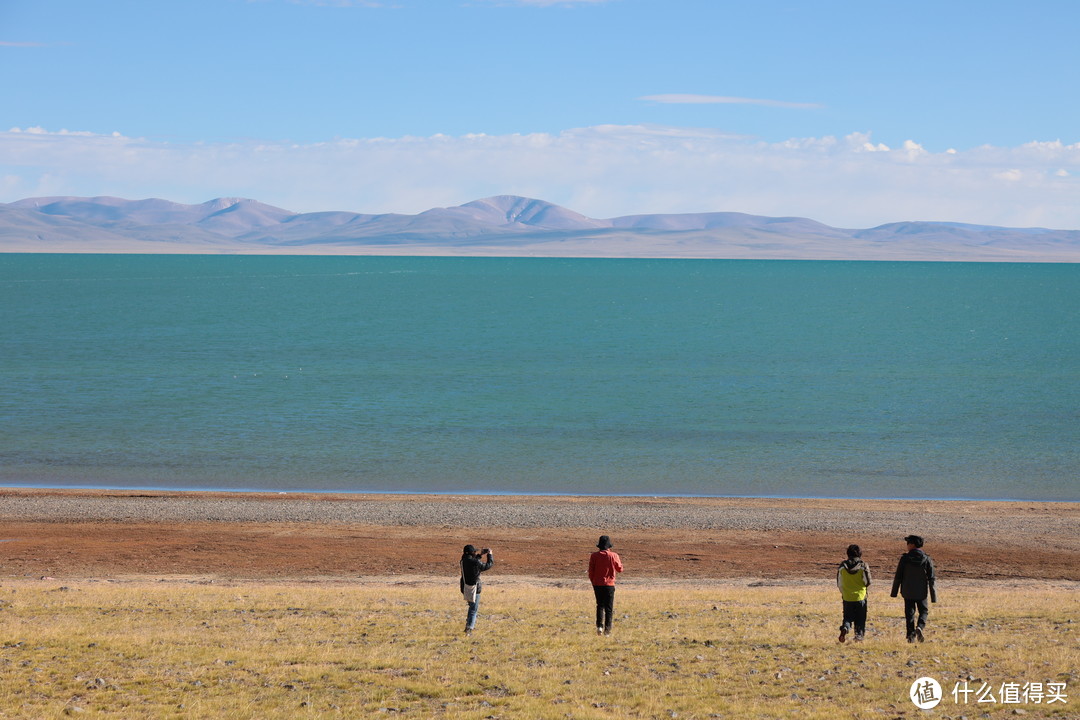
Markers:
point(8, 43)
point(691, 99)
point(602, 171)
point(545, 3)
point(334, 3)
point(340, 3)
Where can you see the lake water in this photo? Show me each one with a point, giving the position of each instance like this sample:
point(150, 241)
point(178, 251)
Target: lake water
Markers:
point(491, 375)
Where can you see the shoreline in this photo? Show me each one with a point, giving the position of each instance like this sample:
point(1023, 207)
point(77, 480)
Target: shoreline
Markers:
point(538, 251)
point(125, 533)
point(165, 489)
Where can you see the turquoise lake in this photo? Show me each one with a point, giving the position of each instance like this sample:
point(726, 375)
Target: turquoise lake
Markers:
point(491, 375)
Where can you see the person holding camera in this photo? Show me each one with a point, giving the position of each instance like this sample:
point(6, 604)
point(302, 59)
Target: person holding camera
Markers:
point(472, 564)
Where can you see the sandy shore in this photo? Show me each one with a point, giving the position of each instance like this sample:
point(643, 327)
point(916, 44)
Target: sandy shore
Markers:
point(115, 534)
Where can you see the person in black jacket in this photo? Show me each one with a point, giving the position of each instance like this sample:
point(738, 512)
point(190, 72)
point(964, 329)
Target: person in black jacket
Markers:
point(915, 580)
point(472, 565)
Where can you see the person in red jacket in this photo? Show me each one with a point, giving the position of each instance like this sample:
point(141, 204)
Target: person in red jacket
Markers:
point(603, 565)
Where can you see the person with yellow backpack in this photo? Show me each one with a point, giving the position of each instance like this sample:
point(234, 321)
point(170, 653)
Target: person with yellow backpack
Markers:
point(853, 578)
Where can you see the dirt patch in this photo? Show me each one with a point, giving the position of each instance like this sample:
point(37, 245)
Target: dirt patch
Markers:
point(39, 547)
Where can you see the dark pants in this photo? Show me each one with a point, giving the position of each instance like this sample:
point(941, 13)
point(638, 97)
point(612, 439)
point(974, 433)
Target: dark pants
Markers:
point(605, 606)
point(855, 614)
point(910, 606)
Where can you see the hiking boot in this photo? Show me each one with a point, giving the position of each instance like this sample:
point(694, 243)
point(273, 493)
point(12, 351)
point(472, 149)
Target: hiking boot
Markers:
point(843, 635)
point(858, 637)
point(919, 635)
point(911, 638)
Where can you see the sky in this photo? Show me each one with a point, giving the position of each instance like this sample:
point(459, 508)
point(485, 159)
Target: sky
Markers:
point(855, 114)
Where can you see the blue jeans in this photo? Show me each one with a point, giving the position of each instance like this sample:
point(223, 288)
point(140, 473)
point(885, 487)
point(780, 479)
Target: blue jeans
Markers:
point(470, 619)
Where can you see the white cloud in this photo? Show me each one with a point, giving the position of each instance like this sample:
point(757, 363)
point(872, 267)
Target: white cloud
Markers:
point(691, 99)
point(860, 142)
point(601, 171)
point(37, 130)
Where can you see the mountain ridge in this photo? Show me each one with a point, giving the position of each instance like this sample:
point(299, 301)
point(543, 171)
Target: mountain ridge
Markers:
point(497, 225)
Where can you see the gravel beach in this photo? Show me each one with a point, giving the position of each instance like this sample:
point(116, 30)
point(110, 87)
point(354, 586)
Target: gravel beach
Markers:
point(88, 532)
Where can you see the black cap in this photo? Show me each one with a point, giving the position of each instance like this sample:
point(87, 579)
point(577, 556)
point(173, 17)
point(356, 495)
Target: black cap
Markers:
point(914, 540)
point(604, 543)
point(470, 550)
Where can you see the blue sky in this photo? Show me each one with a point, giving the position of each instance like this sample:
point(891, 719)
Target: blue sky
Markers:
point(853, 113)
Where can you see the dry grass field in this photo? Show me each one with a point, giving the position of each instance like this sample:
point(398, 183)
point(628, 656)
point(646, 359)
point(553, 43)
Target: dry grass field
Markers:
point(340, 649)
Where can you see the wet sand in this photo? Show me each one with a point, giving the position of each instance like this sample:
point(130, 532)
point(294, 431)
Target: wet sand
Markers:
point(234, 536)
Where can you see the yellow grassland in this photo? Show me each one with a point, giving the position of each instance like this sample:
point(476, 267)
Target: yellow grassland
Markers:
point(170, 648)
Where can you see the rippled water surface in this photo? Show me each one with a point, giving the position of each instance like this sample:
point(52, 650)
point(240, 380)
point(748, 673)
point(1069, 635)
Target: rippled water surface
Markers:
point(702, 377)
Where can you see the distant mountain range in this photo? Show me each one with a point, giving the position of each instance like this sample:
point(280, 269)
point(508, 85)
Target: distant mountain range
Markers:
point(498, 226)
